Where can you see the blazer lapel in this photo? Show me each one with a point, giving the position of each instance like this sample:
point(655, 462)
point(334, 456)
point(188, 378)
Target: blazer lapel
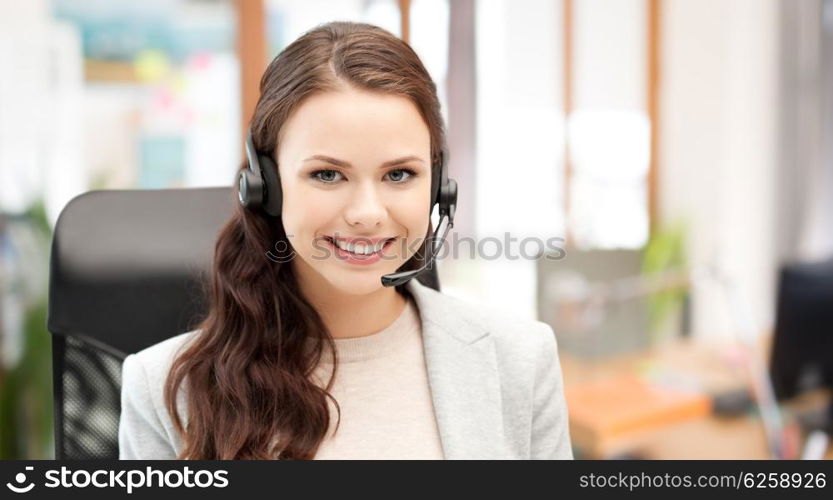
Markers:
point(463, 377)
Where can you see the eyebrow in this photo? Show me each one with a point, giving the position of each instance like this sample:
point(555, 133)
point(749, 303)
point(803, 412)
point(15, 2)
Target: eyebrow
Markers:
point(342, 163)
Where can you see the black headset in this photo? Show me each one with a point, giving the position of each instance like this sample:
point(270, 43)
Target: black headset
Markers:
point(259, 188)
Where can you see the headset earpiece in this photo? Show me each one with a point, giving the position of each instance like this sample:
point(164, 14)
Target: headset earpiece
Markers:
point(448, 199)
point(274, 195)
point(443, 189)
point(258, 186)
point(437, 178)
point(249, 189)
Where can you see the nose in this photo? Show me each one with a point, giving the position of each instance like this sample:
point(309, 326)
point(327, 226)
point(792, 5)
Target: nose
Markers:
point(365, 208)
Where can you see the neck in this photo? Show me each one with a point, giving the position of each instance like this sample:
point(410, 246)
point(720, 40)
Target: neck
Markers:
point(347, 315)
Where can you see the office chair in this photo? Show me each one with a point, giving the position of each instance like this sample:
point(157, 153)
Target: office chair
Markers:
point(128, 269)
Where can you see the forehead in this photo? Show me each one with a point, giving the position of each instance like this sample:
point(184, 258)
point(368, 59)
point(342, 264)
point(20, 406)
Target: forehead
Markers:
point(353, 122)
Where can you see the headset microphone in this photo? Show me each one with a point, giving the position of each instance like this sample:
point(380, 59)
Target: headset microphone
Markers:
point(397, 279)
point(446, 197)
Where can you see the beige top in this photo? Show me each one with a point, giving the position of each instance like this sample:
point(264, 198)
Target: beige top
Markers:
point(382, 390)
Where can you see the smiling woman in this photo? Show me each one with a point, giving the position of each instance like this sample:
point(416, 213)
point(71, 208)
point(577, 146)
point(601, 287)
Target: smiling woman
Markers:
point(312, 356)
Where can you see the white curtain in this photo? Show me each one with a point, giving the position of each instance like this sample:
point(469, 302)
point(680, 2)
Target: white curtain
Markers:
point(806, 131)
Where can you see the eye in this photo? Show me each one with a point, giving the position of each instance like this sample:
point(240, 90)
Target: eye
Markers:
point(397, 175)
point(326, 176)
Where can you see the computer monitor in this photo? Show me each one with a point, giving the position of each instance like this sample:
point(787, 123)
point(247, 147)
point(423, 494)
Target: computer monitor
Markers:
point(802, 349)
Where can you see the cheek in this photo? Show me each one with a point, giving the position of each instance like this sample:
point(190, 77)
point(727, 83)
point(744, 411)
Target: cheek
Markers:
point(413, 213)
point(308, 212)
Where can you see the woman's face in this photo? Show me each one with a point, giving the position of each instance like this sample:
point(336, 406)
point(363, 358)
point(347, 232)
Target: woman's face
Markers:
point(354, 166)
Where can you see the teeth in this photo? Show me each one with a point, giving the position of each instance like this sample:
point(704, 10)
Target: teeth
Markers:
point(360, 248)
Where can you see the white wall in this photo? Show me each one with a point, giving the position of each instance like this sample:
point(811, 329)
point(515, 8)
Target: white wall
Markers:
point(718, 146)
point(519, 151)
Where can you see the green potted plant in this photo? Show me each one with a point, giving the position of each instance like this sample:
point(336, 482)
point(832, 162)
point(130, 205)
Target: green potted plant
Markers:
point(26, 424)
point(663, 255)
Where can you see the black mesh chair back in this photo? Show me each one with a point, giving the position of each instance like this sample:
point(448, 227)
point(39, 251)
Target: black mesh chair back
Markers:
point(128, 269)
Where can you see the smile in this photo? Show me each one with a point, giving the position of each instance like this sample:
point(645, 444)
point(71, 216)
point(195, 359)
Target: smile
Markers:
point(360, 254)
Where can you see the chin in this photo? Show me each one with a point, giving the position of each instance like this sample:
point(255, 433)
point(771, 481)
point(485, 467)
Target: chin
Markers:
point(356, 283)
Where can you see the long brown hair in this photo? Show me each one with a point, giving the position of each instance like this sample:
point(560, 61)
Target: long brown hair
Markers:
point(247, 372)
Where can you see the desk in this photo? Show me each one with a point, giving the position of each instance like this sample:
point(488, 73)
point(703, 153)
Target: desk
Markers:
point(713, 367)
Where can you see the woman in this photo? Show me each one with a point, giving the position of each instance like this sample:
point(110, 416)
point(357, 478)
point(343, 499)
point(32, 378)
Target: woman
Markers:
point(304, 352)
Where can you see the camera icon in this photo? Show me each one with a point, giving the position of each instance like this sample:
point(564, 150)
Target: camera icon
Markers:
point(20, 478)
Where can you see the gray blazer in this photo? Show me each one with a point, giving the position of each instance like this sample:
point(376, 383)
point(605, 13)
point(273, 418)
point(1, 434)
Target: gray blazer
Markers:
point(495, 382)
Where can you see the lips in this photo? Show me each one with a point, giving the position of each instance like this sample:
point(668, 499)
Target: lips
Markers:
point(365, 243)
point(357, 258)
point(360, 239)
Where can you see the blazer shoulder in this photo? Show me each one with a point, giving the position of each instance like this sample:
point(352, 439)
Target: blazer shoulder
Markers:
point(145, 427)
point(157, 359)
point(518, 339)
point(522, 345)
point(532, 383)
point(153, 363)
point(508, 329)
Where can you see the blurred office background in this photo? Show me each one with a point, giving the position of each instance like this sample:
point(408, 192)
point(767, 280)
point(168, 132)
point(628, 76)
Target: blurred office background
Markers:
point(677, 153)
